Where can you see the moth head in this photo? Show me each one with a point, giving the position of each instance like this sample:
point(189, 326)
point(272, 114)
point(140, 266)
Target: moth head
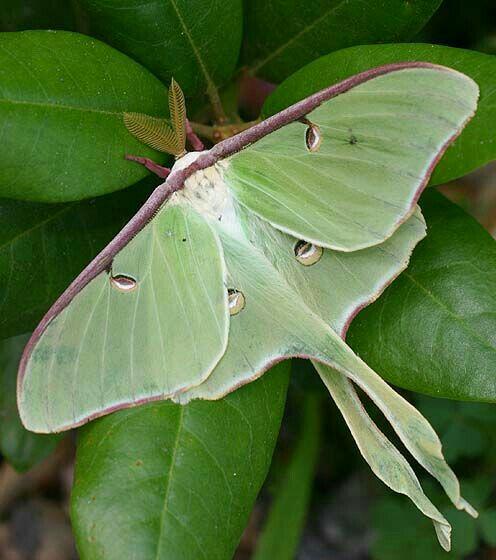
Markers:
point(168, 136)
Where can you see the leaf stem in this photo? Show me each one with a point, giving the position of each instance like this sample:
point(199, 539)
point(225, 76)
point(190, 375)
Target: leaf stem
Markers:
point(217, 133)
point(217, 108)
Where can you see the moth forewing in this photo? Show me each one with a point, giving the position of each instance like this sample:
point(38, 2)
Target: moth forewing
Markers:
point(113, 347)
point(350, 173)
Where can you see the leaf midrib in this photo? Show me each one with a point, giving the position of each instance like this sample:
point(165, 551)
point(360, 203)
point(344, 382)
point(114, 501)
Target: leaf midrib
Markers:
point(165, 509)
point(211, 88)
point(60, 106)
point(294, 38)
point(37, 225)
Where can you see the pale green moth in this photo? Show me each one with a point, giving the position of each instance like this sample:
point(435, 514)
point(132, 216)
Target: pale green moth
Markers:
point(260, 249)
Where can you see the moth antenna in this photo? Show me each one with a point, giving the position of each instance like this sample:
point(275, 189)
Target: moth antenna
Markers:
point(154, 132)
point(177, 109)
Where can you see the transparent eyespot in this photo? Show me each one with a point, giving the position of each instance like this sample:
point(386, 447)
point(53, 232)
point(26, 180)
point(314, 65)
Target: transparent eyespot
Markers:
point(313, 137)
point(307, 253)
point(123, 283)
point(235, 301)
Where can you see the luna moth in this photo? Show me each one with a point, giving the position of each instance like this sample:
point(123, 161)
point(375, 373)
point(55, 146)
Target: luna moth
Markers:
point(260, 249)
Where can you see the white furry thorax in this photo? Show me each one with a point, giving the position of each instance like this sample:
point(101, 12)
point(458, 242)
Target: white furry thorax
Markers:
point(207, 192)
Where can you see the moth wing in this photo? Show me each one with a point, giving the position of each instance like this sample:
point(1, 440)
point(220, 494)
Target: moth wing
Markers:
point(339, 284)
point(379, 142)
point(287, 304)
point(117, 345)
point(276, 323)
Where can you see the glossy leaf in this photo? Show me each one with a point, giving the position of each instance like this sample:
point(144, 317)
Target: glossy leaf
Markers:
point(18, 15)
point(432, 331)
point(190, 473)
point(43, 247)
point(21, 448)
point(401, 532)
point(62, 101)
point(196, 42)
point(476, 145)
point(281, 36)
point(280, 535)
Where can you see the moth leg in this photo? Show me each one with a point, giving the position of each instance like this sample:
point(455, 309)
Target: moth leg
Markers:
point(150, 165)
point(193, 139)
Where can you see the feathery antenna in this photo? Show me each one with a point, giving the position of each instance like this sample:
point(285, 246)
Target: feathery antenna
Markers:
point(156, 132)
point(177, 110)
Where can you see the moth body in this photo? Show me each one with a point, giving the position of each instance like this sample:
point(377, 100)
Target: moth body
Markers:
point(208, 194)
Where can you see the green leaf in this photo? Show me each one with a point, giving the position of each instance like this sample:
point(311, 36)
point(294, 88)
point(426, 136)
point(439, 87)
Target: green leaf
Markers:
point(195, 41)
point(62, 101)
point(281, 36)
point(281, 534)
point(402, 533)
point(169, 481)
point(467, 429)
point(432, 331)
point(43, 247)
point(476, 145)
point(17, 15)
point(487, 525)
point(21, 448)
